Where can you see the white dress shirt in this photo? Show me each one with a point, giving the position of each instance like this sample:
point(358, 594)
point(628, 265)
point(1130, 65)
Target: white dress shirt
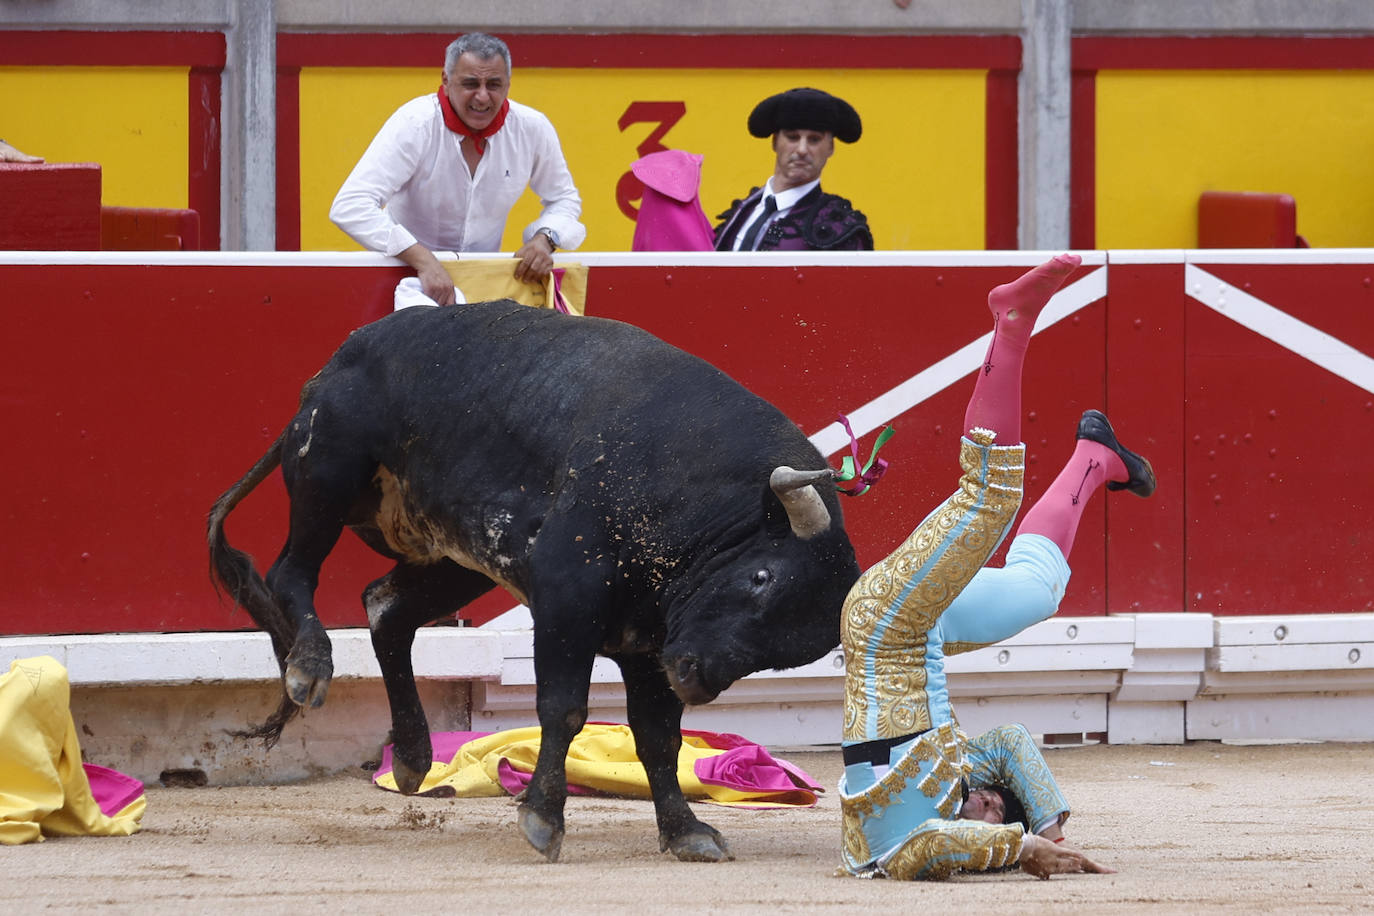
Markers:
point(412, 185)
point(786, 200)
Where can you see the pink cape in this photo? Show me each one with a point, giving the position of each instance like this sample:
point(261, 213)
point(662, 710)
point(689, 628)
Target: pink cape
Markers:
point(670, 214)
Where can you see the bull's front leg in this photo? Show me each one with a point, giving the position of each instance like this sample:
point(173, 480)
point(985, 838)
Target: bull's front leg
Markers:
point(397, 605)
point(655, 715)
point(563, 673)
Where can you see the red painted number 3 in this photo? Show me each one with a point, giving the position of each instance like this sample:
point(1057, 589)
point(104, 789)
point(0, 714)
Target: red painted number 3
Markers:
point(665, 114)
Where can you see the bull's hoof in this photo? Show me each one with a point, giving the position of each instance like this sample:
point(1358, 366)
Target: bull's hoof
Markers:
point(307, 680)
point(542, 835)
point(703, 844)
point(408, 780)
point(305, 687)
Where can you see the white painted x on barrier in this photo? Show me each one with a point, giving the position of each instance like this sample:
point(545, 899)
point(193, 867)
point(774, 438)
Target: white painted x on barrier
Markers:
point(1316, 346)
point(945, 372)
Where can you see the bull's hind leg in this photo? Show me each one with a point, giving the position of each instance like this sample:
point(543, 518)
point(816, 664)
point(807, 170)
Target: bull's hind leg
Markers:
point(322, 489)
point(398, 604)
point(655, 715)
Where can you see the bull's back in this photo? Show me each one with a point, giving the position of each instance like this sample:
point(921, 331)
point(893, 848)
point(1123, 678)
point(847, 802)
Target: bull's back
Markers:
point(483, 417)
point(499, 381)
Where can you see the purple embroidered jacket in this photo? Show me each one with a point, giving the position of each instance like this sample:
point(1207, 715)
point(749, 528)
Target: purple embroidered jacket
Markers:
point(818, 221)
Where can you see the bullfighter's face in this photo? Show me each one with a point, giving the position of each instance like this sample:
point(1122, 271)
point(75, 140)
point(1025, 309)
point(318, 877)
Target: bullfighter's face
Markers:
point(801, 156)
point(476, 88)
point(984, 805)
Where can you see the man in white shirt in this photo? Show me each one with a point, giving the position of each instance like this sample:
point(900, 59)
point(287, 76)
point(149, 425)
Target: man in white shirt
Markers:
point(445, 169)
point(791, 212)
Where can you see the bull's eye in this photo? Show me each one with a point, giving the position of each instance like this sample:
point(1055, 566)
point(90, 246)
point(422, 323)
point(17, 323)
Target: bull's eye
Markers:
point(762, 577)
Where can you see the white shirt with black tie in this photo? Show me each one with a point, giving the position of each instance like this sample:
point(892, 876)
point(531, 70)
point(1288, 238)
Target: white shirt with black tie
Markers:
point(786, 200)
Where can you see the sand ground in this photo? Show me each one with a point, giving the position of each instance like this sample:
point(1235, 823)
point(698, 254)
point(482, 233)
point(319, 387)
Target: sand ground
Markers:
point(1199, 828)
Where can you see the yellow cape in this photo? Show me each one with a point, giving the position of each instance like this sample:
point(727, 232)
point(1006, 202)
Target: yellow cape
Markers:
point(602, 757)
point(483, 279)
point(43, 789)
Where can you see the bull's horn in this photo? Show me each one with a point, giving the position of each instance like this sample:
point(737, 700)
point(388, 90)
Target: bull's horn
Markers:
point(806, 511)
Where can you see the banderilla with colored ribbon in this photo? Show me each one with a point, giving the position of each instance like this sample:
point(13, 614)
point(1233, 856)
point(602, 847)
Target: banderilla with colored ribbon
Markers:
point(861, 480)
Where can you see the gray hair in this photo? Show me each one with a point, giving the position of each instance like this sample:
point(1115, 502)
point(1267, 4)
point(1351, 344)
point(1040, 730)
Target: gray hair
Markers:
point(480, 45)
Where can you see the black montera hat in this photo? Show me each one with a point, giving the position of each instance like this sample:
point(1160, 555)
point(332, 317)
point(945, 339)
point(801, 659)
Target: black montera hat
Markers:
point(805, 109)
point(1015, 811)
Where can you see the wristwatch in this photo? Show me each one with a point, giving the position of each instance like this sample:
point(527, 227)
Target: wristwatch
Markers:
point(552, 236)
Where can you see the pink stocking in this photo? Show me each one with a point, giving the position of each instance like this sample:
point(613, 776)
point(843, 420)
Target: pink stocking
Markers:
point(1055, 515)
point(996, 401)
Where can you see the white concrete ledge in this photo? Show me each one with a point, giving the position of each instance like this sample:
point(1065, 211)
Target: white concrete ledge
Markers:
point(1148, 707)
point(147, 659)
point(1054, 677)
point(1292, 676)
point(1307, 643)
point(146, 702)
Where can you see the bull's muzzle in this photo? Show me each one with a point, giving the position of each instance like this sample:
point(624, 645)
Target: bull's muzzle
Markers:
point(685, 677)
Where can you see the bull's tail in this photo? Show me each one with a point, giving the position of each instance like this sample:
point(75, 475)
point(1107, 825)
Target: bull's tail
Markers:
point(232, 572)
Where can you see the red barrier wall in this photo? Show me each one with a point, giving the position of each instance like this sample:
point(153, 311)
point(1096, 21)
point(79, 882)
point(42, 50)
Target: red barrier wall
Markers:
point(135, 393)
point(52, 206)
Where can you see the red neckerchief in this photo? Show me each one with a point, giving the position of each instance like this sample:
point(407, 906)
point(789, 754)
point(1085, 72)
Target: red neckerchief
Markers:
point(455, 123)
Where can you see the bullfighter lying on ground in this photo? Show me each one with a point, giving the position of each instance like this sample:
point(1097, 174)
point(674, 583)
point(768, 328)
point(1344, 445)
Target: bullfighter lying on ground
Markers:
point(908, 766)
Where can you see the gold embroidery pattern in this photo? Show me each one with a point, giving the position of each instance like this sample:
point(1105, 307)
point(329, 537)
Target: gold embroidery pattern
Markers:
point(942, 847)
point(932, 767)
point(889, 611)
point(1007, 756)
point(855, 841)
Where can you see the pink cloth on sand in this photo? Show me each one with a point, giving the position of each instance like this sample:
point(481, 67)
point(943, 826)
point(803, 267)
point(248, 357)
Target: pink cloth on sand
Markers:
point(113, 791)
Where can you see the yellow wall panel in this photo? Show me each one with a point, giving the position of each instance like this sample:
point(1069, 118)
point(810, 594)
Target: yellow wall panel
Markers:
point(917, 172)
point(1165, 137)
point(132, 121)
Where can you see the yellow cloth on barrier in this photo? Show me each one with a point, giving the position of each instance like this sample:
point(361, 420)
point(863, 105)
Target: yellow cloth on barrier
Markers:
point(484, 279)
point(602, 758)
point(43, 789)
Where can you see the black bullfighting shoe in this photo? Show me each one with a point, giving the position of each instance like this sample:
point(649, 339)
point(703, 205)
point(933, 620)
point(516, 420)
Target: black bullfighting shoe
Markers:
point(1095, 427)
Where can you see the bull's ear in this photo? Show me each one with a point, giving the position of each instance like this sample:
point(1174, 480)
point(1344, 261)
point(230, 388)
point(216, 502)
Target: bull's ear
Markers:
point(796, 494)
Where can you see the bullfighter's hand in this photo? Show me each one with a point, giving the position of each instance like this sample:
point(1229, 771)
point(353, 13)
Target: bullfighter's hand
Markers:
point(1042, 858)
point(536, 260)
point(10, 154)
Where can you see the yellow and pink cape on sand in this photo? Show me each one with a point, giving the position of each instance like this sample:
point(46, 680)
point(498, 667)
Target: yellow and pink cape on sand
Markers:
point(719, 769)
point(45, 789)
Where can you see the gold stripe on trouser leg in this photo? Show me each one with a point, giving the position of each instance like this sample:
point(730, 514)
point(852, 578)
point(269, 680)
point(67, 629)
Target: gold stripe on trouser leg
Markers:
point(892, 607)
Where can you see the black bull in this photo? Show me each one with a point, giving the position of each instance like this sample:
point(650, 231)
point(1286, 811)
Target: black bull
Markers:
point(639, 501)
